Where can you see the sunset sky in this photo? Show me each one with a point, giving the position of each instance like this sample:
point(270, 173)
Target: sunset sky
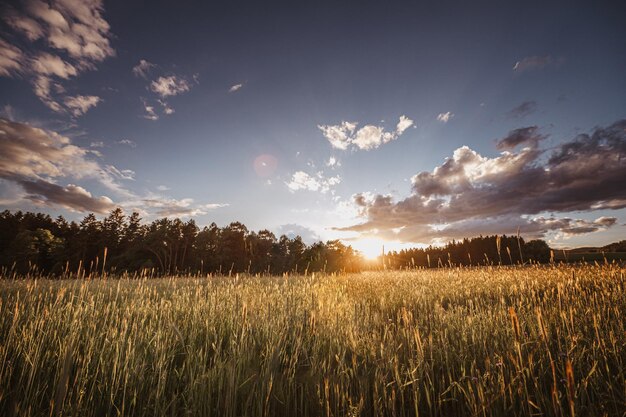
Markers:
point(373, 122)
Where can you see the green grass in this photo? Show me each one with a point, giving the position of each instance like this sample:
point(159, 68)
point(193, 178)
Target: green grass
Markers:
point(486, 342)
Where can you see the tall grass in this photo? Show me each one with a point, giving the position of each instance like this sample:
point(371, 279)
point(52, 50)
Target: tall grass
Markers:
point(485, 342)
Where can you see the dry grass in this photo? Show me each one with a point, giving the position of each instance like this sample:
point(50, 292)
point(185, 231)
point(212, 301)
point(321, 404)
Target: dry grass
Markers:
point(485, 342)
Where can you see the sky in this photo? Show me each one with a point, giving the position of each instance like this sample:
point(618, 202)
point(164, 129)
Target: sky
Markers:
point(395, 123)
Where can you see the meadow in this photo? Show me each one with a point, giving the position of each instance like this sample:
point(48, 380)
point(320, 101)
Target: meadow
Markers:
point(489, 341)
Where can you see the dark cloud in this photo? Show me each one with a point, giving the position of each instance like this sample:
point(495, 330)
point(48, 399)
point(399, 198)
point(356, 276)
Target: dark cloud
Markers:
point(72, 197)
point(471, 194)
point(35, 158)
point(524, 136)
point(523, 110)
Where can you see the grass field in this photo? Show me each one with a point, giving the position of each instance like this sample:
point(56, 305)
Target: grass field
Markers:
point(486, 342)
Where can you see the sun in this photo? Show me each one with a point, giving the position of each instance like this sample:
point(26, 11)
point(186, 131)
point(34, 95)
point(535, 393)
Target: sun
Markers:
point(370, 248)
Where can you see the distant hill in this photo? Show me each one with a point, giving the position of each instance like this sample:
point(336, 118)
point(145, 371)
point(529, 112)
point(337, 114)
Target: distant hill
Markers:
point(610, 248)
point(612, 251)
point(615, 247)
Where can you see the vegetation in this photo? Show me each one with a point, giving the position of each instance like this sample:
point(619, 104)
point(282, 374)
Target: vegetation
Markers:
point(489, 341)
point(118, 243)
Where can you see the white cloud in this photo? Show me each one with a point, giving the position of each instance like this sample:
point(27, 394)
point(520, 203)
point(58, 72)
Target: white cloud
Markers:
point(169, 86)
point(300, 180)
point(150, 113)
point(345, 134)
point(98, 144)
point(48, 64)
point(339, 136)
point(403, 124)
point(127, 142)
point(166, 108)
point(79, 105)
point(445, 117)
point(11, 58)
point(74, 29)
point(235, 88)
point(142, 68)
point(179, 208)
point(333, 162)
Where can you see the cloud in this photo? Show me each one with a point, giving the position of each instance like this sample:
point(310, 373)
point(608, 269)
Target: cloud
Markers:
point(471, 194)
point(166, 108)
point(48, 64)
point(300, 180)
point(333, 162)
point(142, 68)
point(169, 86)
point(98, 144)
point(150, 113)
point(445, 117)
point(535, 63)
point(124, 174)
point(524, 136)
point(338, 135)
point(292, 230)
point(42, 89)
point(79, 105)
point(73, 29)
point(179, 208)
point(71, 197)
point(345, 134)
point(11, 58)
point(235, 88)
point(36, 159)
point(523, 110)
point(127, 142)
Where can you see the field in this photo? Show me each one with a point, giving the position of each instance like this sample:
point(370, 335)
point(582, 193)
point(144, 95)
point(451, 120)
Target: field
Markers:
point(499, 341)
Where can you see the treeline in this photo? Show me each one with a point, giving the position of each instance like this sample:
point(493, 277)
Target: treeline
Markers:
point(483, 250)
point(121, 243)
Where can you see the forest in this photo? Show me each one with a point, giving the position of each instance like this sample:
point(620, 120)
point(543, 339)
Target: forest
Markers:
point(120, 243)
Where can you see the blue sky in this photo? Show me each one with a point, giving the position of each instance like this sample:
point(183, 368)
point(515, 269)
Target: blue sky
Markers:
point(165, 110)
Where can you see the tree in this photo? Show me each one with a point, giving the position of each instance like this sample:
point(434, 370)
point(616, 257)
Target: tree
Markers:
point(537, 250)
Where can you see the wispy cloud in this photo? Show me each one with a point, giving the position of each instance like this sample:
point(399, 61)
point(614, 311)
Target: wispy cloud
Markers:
point(79, 105)
point(179, 208)
point(127, 142)
point(169, 86)
point(235, 88)
point(301, 180)
point(524, 109)
point(149, 114)
point(471, 194)
point(346, 134)
point(445, 117)
point(536, 62)
point(142, 69)
point(333, 162)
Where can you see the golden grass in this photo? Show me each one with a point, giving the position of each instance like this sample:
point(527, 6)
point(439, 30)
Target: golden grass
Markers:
point(486, 342)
